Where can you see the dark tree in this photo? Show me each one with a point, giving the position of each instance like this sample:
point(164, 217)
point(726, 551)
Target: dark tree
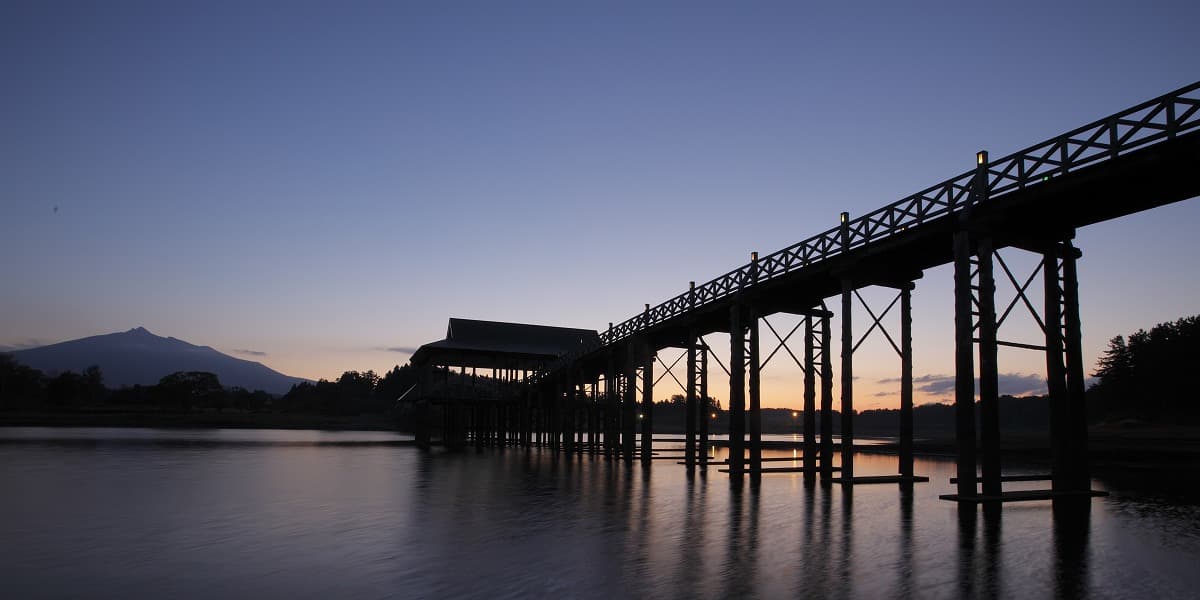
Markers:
point(187, 389)
point(1146, 376)
point(20, 386)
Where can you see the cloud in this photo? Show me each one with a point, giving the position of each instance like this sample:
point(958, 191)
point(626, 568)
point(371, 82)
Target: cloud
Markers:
point(399, 349)
point(249, 352)
point(1012, 384)
point(1022, 384)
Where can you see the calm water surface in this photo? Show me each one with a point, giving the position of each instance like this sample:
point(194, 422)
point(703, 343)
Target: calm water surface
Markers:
point(118, 513)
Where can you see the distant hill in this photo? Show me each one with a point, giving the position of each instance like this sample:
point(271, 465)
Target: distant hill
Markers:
point(139, 357)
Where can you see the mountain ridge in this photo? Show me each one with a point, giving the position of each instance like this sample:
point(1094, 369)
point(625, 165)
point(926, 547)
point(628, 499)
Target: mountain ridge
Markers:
point(139, 357)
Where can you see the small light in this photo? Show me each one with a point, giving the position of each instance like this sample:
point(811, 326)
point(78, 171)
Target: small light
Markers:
point(754, 256)
point(795, 414)
point(981, 157)
point(647, 307)
point(845, 217)
point(714, 415)
point(691, 285)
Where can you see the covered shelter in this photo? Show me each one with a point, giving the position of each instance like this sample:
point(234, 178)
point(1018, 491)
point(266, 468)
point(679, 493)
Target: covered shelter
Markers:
point(518, 347)
point(474, 378)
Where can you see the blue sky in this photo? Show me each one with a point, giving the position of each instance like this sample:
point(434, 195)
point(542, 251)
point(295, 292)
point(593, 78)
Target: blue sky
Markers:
point(325, 183)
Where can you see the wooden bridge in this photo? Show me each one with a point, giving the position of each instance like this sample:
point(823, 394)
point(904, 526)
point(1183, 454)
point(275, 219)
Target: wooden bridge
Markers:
point(1032, 200)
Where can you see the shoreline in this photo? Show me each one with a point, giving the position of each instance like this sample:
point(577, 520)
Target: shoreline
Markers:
point(228, 420)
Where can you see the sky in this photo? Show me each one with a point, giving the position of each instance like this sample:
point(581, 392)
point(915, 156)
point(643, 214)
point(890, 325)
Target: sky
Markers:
point(319, 186)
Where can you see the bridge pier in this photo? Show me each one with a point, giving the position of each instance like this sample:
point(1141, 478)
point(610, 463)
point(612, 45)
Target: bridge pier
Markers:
point(610, 405)
point(737, 392)
point(906, 383)
point(700, 377)
point(847, 383)
point(568, 416)
point(1064, 365)
point(629, 404)
point(690, 404)
point(1064, 370)
point(754, 422)
point(964, 366)
point(593, 418)
point(647, 356)
point(816, 341)
point(989, 394)
point(810, 400)
point(826, 400)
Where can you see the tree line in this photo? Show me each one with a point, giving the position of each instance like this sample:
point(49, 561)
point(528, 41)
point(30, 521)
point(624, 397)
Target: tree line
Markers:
point(23, 388)
point(1146, 376)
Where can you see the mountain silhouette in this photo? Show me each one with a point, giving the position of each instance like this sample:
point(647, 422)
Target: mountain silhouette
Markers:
point(139, 357)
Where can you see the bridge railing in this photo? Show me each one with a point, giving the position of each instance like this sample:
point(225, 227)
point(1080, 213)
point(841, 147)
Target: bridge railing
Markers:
point(1150, 122)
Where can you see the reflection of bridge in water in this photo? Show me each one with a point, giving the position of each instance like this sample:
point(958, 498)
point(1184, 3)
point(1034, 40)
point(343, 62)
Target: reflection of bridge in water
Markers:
point(578, 391)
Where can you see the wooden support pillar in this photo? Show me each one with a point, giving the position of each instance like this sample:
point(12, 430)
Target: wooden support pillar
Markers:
point(810, 399)
point(847, 382)
point(755, 417)
point(528, 424)
point(737, 391)
point(1080, 477)
point(610, 406)
point(647, 357)
point(593, 418)
point(560, 392)
point(689, 407)
point(629, 405)
point(964, 366)
point(989, 394)
point(568, 414)
point(705, 416)
point(1056, 386)
point(906, 383)
point(826, 400)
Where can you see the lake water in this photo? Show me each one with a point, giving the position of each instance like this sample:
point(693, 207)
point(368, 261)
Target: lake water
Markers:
point(119, 513)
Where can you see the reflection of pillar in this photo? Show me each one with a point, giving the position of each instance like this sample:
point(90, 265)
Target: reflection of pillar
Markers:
point(967, 516)
point(755, 417)
point(689, 407)
point(906, 383)
point(964, 365)
point(810, 400)
point(1072, 523)
point(989, 395)
point(737, 391)
point(847, 384)
point(647, 403)
point(1072, 346)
